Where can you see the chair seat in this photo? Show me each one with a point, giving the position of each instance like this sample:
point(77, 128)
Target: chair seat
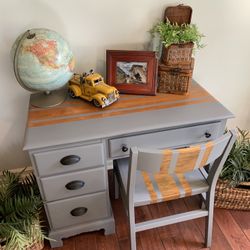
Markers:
point(151, 188)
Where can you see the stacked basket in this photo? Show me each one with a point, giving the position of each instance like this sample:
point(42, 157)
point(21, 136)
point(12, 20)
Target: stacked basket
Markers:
point(176, 67)
point(232, 197)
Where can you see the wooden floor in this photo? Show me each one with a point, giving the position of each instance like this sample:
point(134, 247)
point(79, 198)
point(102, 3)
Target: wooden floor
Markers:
point(231, 230)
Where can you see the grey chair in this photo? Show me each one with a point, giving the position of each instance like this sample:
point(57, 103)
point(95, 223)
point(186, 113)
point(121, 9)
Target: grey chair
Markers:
point(152, 176)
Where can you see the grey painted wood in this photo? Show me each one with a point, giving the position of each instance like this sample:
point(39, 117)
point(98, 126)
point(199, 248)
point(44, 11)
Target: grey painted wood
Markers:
point(48, 163)
point(141, 197)
point(107, 224)
point(55, 186)
point(92, 138)
point(164, 139)
point(133, 187)
point(150, 160)
point(96, 180)
point(60, 211)
point(172, 219)
point(212, 180)
point(39, 137)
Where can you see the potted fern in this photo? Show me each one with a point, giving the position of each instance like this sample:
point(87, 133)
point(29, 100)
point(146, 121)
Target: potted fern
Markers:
point(237, 167)
point(20, 205)
point(179, 41)
point(232, 189)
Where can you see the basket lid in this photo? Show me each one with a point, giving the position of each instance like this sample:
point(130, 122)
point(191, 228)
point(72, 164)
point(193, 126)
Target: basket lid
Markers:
point(179, 14)
point(177, 67)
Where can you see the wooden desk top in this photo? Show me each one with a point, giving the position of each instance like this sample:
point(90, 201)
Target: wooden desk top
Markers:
point(77, 120)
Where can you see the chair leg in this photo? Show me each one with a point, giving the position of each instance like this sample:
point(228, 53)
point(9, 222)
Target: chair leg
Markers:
point(209, 218)
point(132, 230)
point(116, 186)
point(202, 201)
point(203, 206)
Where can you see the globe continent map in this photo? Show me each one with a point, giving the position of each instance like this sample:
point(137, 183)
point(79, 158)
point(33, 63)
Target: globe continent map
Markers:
point(43, 60)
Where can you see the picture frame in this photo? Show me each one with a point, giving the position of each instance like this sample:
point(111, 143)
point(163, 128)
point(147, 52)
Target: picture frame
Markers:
point(132, 72)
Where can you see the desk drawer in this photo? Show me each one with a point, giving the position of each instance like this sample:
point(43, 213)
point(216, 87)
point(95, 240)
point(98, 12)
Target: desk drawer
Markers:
point(72, 184)
point(69, 159)
point(168, 138)
point(78, 210)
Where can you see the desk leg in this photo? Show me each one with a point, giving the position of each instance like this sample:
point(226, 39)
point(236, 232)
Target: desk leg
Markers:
point(116, 186)
point(57, 235)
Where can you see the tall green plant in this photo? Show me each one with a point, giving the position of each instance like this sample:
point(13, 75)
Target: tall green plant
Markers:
point(237, 166)
point(176, 34)
point(20, 205)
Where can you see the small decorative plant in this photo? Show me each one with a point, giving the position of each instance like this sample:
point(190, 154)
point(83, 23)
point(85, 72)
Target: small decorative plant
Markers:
point(237, 167)
point(20, 205)
point(178, 34)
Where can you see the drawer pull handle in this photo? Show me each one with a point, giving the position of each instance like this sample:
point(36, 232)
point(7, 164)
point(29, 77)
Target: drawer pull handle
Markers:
point(124, 148)
point(79, 211)
point(74, 185)
point(70, 159)
point(207, 135)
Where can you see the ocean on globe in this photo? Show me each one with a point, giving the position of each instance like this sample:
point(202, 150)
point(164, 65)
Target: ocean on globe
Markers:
point(43, 60)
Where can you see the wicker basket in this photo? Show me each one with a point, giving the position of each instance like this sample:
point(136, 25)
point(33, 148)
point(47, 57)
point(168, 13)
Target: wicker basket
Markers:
point(178, 14)
point(180, 54)
point(175, 80)
point(35, 246)
point(177, 54)
point(231, 198)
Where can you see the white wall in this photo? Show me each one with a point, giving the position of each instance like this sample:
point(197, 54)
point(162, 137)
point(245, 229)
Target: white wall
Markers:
point(93, 26)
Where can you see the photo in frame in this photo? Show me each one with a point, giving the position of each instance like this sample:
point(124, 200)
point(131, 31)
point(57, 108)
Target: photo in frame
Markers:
point(132, 72)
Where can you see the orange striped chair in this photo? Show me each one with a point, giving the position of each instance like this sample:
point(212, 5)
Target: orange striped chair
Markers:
point(152, 176)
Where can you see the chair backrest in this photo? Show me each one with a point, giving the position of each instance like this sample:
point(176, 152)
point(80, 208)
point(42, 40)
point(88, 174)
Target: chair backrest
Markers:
point(183, 159)
point(164, 163)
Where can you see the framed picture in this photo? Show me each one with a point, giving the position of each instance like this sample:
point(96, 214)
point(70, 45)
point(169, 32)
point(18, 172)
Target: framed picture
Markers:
point(132, 72)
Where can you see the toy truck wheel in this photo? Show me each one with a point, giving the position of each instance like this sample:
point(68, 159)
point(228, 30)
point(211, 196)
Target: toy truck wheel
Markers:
point(72, 94)
point(96, 103)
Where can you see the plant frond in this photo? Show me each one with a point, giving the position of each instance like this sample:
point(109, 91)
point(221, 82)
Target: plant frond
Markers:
point(176, 34)
point(237, 166)
point(20, 205)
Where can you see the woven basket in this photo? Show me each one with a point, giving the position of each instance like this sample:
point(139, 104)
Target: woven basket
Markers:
point(231, 198)
point(175, 80)
point(177, 54)
point(34, 246)
point(179, 14)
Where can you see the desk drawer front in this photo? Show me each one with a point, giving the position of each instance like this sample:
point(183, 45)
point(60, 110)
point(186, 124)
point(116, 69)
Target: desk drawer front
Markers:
point(171, 138)
point(72, 184)
point(69, 159)
point(78, 210)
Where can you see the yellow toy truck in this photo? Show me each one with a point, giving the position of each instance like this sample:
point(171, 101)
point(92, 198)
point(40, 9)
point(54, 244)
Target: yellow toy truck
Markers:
point(91, 87)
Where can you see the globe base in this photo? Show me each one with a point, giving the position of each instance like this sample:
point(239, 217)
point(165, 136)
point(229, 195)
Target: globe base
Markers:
point(48, 99)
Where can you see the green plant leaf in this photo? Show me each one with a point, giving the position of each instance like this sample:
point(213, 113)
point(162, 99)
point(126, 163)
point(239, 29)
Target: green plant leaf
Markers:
point(20, 205)
point(175, 34)
point(237, 166)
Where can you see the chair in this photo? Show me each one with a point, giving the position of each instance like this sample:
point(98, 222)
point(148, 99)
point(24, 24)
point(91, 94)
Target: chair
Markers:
point(152, 176)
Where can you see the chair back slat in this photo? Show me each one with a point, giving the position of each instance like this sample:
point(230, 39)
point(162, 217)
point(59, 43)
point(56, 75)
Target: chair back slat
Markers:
point(181, 160)
point(150, 160)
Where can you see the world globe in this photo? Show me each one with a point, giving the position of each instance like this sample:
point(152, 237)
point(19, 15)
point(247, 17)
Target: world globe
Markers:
point(43, 63)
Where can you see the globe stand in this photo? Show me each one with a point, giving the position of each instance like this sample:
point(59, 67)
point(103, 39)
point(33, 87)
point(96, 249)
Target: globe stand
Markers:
point(48, 99)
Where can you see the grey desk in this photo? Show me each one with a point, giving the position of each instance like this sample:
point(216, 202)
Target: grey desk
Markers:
point(71, 145)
